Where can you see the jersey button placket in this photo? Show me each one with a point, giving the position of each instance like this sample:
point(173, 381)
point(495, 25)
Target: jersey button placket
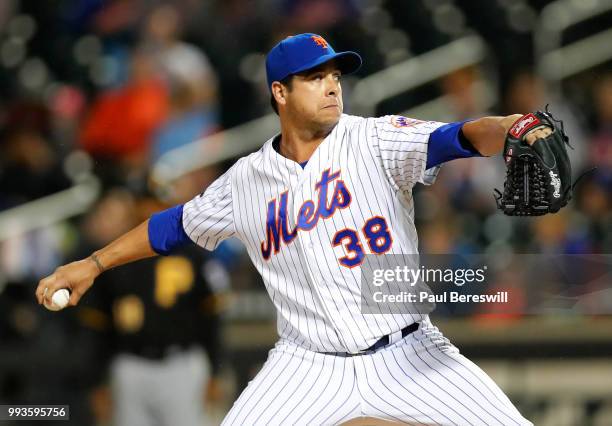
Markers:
point(307, 243)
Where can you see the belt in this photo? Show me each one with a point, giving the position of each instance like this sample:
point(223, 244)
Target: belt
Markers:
point(380, 343)
point(157, 353)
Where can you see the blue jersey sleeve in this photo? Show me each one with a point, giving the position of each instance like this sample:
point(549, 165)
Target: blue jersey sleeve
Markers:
point(448, 143)
point(166, 231)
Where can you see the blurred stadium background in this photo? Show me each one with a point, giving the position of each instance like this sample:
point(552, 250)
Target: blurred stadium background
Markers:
point(112, 109)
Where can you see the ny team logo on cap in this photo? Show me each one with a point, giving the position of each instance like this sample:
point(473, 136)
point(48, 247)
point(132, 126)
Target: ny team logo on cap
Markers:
point(306, 51)
point(320, 41)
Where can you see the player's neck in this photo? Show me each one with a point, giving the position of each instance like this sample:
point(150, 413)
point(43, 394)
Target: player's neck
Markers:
point(299, 145)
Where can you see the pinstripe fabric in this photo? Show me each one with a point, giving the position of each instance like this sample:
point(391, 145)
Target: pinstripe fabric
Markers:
point(317, 298)
point(420, 380)
point(424, 378)
point(288, 217)
point(208, 218)
point(298, 386)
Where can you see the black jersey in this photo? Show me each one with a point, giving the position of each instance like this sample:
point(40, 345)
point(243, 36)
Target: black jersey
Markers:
point(159, 305)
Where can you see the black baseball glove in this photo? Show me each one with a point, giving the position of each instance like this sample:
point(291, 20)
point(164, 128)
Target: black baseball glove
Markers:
point(538, 176)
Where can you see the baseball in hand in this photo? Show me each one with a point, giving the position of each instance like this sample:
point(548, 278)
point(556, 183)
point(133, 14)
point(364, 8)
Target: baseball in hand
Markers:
point(59, 300)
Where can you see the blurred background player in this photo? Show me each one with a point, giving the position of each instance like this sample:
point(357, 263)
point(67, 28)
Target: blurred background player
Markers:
point(154, 328)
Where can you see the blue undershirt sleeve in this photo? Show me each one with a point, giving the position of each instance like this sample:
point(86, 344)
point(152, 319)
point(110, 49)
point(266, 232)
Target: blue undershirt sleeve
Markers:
point(448, 143)
point(166, 231)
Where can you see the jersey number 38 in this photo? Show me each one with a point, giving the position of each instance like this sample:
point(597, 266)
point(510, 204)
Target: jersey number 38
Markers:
point(377, 235)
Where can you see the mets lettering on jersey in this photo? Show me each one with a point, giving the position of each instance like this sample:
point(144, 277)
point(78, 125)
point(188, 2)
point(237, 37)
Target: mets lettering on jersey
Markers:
point(308, 214)
point(307, 230)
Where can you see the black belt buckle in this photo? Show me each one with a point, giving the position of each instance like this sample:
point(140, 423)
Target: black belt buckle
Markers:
point(159, 353)
point(384, 341)
point(381, 343)
point(152, 353)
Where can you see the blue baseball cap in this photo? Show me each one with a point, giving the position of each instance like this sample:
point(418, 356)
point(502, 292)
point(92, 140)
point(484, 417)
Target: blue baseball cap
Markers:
point(305, 51)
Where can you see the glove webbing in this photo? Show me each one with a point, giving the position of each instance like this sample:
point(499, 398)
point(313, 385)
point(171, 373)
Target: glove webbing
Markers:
point(530, 177)
point(523, 173)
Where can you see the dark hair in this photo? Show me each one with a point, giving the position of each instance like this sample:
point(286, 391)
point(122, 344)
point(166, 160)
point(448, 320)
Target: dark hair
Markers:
point(287, 81)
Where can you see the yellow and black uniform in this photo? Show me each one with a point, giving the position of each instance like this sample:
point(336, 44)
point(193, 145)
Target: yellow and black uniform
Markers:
point(160, 304)
point(154, 314)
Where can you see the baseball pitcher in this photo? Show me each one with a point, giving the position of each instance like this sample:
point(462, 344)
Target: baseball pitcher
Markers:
point(309, 206)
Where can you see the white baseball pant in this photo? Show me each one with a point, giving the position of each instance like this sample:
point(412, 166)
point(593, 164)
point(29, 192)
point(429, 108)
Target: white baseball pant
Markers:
point(420, 380)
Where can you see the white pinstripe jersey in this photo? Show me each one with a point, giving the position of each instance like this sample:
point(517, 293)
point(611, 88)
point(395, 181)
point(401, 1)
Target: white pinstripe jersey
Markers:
point(305, 229)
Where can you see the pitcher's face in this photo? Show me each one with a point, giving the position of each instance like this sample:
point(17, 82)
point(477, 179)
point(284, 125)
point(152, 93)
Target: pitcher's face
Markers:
point(316, 96)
